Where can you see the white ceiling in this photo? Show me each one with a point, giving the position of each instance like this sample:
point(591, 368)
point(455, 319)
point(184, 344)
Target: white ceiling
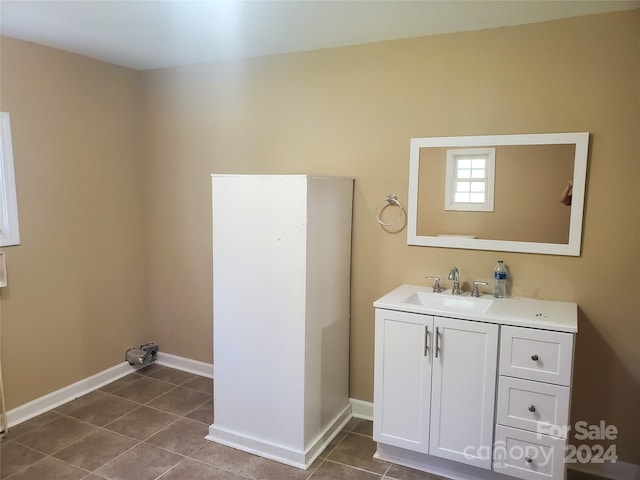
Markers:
point(146, 34)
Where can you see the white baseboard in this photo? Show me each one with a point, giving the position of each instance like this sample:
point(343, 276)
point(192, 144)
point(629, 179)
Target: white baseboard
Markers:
point(361, 409)
point(55, 399)
point(295, 457)
point(185, 364)
point(323, 440)
point(52, 400)
point(608, 470)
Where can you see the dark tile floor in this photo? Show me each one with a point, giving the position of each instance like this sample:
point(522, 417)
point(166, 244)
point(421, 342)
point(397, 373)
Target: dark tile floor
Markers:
point(151, 425)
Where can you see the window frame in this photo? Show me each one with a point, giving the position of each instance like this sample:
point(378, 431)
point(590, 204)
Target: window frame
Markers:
point(453, 155)
point(9, 223)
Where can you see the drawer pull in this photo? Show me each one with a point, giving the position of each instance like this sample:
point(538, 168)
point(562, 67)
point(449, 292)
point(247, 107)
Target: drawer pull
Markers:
point(534, 357)
point(528, 459)
point(532, 408)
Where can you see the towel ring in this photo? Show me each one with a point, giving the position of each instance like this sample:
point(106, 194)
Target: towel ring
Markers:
point(390, 201)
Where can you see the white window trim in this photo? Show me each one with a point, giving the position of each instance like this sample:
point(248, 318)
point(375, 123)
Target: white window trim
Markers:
point(449, 195)
point(9, 225)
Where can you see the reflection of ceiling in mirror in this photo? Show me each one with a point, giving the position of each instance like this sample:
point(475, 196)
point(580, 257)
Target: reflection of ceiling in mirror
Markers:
point(529, 180)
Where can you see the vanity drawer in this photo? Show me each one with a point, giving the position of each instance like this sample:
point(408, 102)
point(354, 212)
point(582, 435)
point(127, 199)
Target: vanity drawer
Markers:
point(528, 456)
point(536, 354)
point(534, 406)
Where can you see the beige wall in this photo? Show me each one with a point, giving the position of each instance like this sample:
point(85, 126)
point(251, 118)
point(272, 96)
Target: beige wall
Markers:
point(351, 111)
point(78, 281)
point(77, 294)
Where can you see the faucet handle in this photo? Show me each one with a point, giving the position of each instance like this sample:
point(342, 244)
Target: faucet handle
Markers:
point(475, 292)
point(436, 284)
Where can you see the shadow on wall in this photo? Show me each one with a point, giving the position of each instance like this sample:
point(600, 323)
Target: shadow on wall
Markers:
point(602, 384)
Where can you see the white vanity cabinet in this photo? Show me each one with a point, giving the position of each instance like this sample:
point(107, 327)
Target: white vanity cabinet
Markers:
point(472, 388)
point(435, 385)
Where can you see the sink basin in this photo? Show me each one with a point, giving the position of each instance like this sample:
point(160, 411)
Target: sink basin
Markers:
point(449, 303)
point(515, 311)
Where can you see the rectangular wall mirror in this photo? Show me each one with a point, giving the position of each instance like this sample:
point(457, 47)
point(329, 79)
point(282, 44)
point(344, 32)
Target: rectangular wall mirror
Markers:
point(512, 193)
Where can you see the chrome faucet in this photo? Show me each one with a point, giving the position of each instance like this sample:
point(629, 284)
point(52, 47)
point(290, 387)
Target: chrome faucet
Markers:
point(454, 275)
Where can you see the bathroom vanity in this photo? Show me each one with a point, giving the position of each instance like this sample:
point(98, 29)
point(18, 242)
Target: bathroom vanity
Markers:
point(472, 388)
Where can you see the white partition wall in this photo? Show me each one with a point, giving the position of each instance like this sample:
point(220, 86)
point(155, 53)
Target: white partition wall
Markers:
point(281, 281)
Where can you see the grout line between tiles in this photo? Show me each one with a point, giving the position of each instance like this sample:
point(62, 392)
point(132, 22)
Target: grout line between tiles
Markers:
point(322, 461)
point(139, 442)
point(381, 475)
point(360, 434)
point(66, 444)
point(166, 472)
point(207, 400)
point(14, 474)
point(210, 464)
point(387, 471)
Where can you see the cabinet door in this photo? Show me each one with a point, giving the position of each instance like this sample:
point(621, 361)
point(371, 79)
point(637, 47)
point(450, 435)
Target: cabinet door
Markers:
point(463, 391)
point(403, 348)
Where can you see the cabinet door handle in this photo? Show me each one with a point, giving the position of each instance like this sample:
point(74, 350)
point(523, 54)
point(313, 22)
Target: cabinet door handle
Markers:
point(534, 357)
point(437, 341)
point(528, 459)
point(532, 408)
point(426, 340)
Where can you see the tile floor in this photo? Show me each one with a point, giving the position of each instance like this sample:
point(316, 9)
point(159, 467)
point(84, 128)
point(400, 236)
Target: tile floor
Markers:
point(151, 425)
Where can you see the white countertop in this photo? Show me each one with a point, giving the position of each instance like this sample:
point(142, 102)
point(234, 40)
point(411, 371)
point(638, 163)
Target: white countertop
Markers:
point(517, 311)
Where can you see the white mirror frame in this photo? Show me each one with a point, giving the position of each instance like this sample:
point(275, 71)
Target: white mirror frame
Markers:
point(572, 248)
